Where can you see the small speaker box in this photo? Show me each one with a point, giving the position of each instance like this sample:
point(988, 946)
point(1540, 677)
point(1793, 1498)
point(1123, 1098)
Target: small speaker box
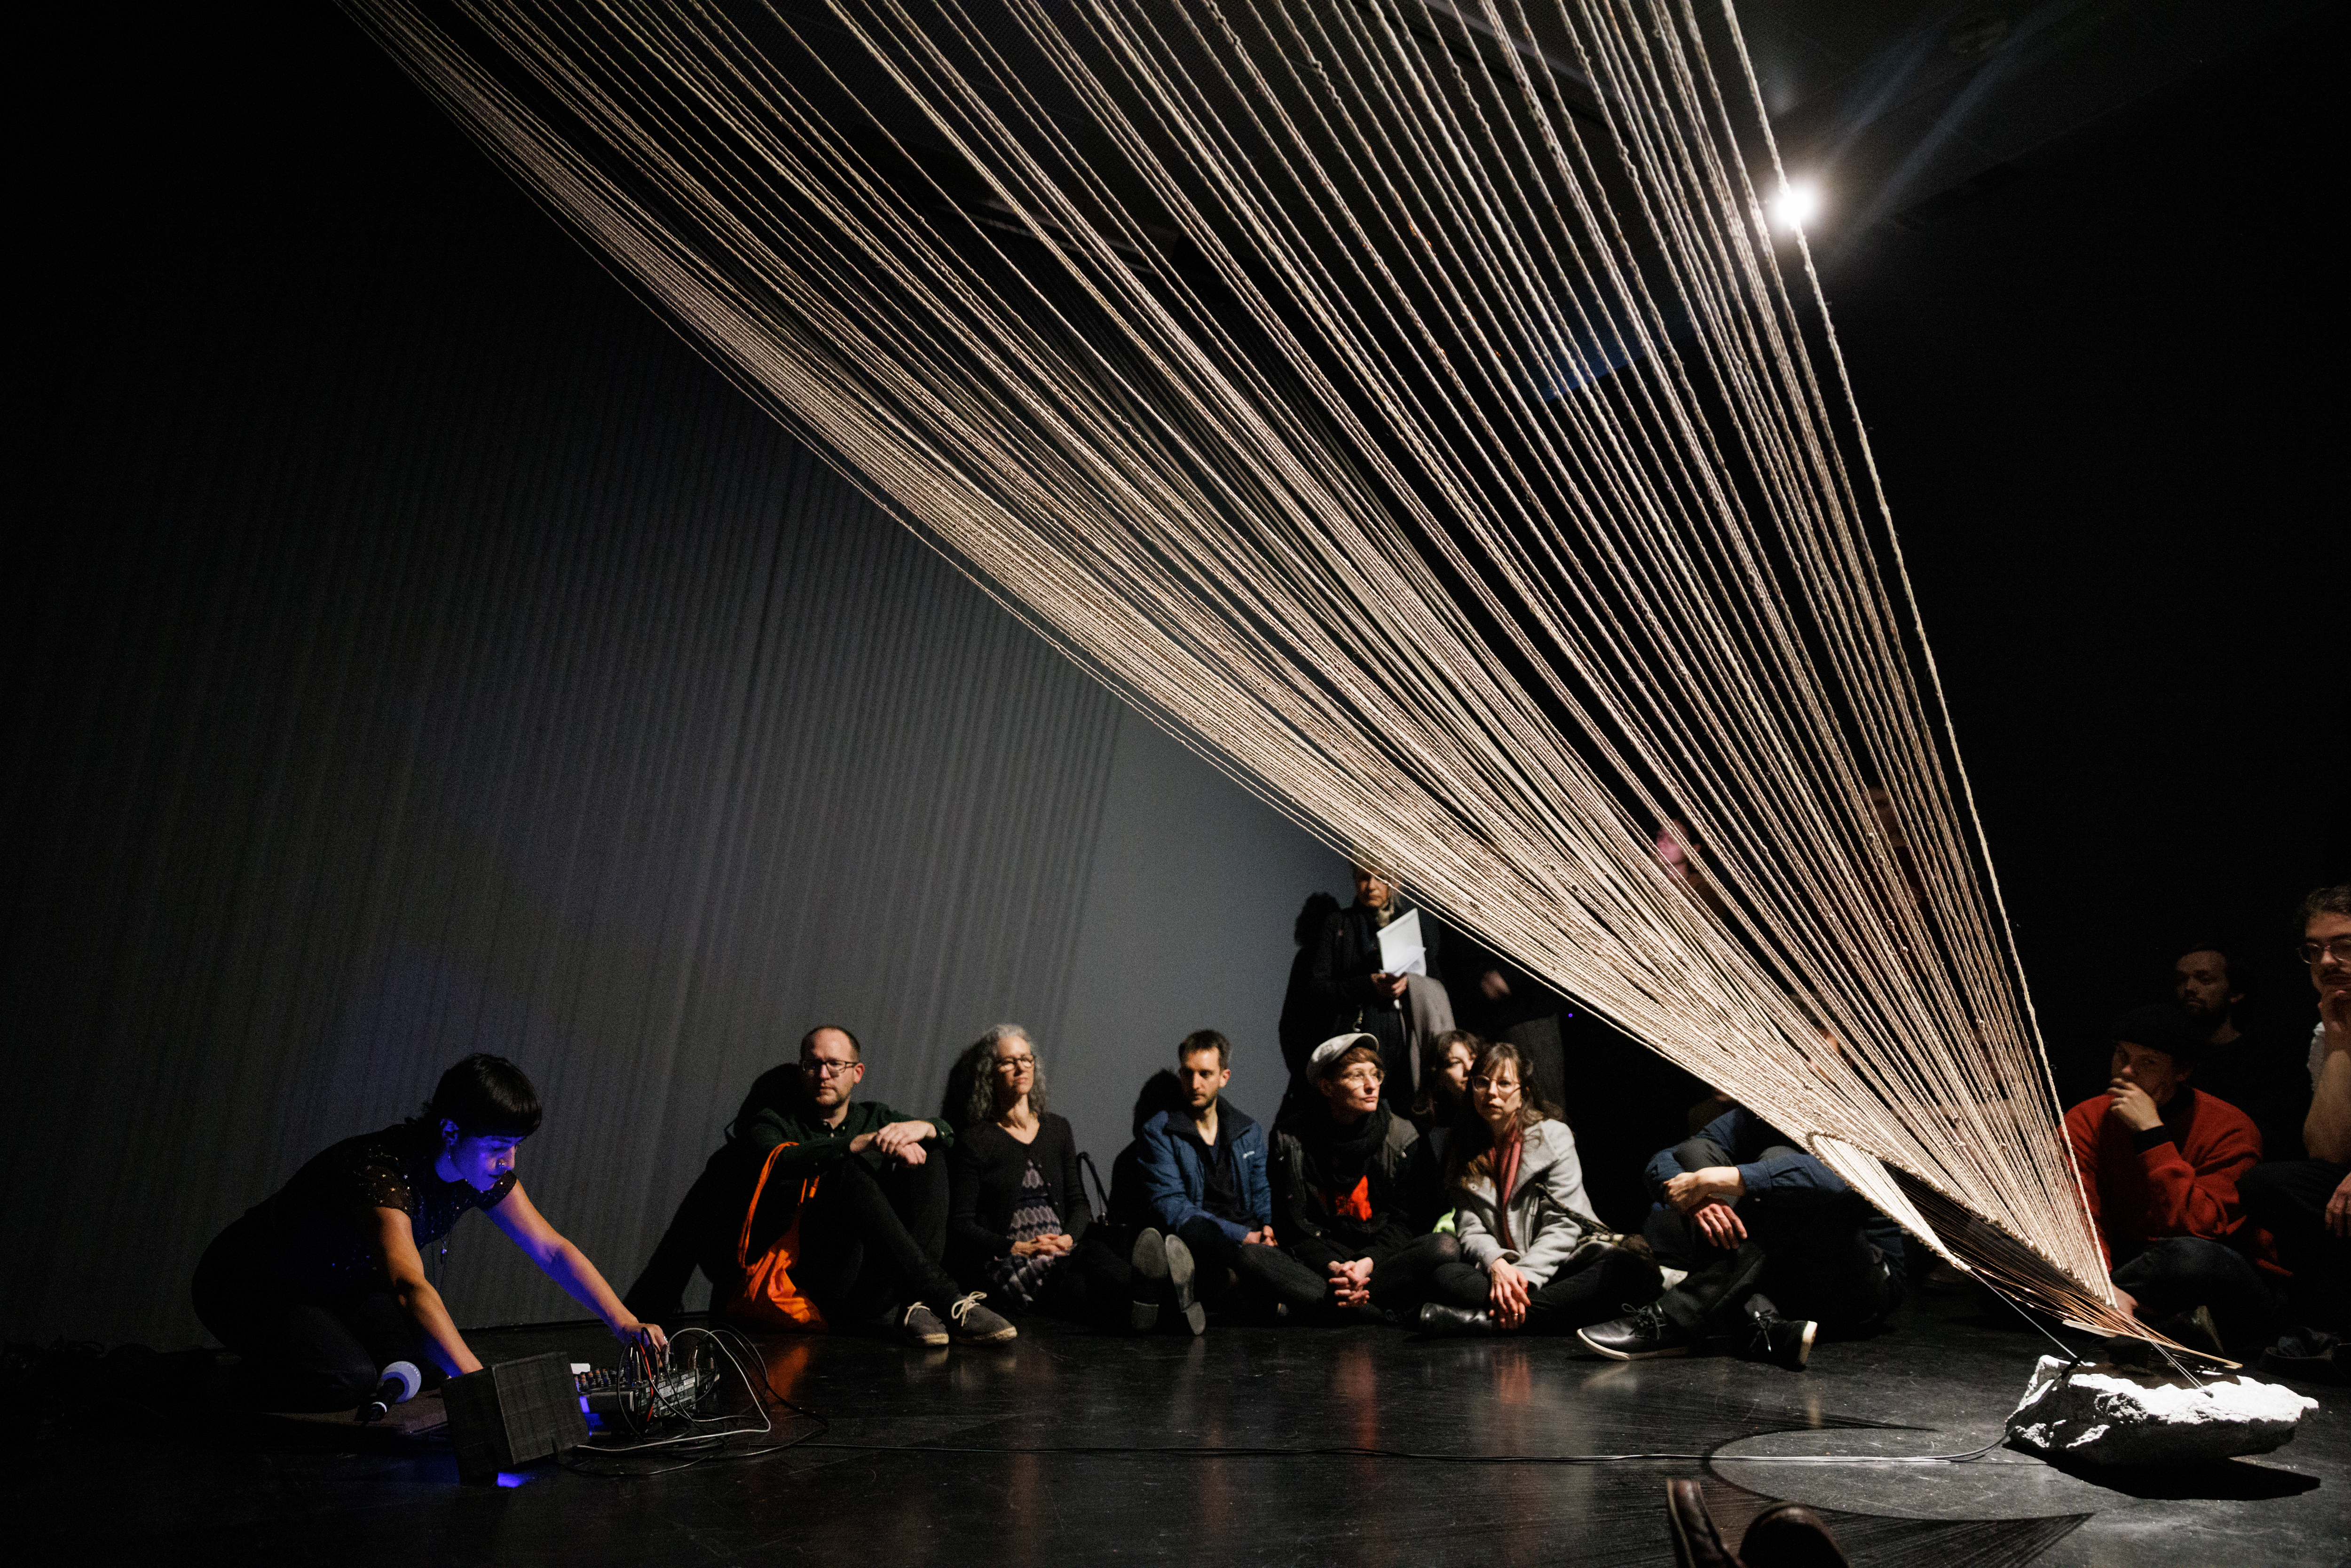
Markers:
point(509, 1415)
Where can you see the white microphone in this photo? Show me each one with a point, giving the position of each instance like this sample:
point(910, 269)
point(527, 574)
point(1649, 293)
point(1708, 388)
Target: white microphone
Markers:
point(400, 1382)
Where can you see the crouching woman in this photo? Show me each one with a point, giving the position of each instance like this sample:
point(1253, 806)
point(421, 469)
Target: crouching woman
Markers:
point(321, 1285)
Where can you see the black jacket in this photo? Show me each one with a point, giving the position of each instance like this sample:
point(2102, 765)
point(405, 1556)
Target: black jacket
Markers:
point(1319, 1168)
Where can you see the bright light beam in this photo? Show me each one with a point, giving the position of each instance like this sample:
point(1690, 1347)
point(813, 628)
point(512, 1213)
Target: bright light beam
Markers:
point(1798, 203)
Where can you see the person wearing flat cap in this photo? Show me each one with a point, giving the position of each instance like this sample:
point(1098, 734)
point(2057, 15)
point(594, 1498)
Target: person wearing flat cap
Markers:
point(2160, 1162)
point(1353, 1189)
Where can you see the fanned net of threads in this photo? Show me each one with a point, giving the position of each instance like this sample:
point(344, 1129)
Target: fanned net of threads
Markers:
point(1411, 406)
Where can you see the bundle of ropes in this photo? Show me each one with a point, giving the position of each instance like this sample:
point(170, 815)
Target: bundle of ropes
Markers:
point(1406, 404)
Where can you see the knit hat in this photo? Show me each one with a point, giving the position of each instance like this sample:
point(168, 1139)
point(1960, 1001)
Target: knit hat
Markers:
point(2159, 1026)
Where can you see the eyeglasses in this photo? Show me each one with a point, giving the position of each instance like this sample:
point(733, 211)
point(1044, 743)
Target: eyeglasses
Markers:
point(819, 1069)
point(1497, 1087)
point(2333, 947)
point(1014, 1063)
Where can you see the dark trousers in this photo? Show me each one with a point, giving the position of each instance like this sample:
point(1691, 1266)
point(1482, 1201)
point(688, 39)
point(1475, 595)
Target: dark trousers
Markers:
point(2288, 1199)
point(702, 1233)
point(1810, 1259)
point(709, 1226)
point(1094, 1284)
point(1813, 1263)
point(2179, 1273)
point(1594, 1286)
point(299, 1354)
point(871, 1243)
point(1238, 1273)
point(1401, 1271)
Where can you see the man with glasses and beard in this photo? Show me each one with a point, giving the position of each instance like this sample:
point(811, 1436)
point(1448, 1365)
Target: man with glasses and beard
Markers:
point(873, 1235)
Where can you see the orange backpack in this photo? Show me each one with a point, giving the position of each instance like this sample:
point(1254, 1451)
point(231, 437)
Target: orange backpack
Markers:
point(765, 1296)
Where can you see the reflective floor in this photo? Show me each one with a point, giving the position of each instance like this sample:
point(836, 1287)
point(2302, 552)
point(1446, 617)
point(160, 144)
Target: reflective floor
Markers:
point(195, 1485)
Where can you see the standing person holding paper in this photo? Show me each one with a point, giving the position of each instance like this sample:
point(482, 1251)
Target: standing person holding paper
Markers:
point(1375, 970)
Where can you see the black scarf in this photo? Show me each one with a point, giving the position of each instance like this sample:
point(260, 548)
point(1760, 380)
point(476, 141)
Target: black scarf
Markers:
point(1347, 1151)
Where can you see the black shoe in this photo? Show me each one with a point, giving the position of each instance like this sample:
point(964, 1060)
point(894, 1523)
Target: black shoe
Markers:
point(2308, 1355)
point(1180, 1277)
point(1149, 1260)
point(1765, 1335)
point(1438, 1318)
point(1647, 1333)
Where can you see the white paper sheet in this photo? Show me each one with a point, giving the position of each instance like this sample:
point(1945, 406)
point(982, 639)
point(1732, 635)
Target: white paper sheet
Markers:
point(1401, 951)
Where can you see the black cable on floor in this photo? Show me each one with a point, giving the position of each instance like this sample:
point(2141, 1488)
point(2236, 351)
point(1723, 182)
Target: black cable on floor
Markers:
point(1127, 1451)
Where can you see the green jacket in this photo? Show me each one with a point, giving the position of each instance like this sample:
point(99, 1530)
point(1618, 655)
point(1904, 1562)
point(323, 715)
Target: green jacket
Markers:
point(817, 1148)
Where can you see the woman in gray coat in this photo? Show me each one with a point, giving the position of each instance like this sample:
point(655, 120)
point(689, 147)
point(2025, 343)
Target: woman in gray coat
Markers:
point(1536, 1260)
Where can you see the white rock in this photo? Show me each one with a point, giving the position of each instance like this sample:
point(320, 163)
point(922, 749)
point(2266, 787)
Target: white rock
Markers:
point(2124, 1416)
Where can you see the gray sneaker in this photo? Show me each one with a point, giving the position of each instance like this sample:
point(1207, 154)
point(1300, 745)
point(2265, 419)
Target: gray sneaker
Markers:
point(922, 1325)
point(1149, 1261)
point(972, 1323)
point(1180, 1273)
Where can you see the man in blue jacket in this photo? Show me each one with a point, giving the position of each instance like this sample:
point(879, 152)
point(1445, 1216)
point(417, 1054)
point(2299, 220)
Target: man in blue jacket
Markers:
point(1740, 1209)
point(1208, 1207)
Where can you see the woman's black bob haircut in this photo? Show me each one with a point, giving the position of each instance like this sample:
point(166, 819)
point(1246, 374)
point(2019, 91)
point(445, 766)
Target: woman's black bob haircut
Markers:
point(487, 1097)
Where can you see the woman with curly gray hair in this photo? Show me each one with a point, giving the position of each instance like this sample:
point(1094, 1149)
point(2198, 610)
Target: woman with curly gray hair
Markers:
point(1017, 1213)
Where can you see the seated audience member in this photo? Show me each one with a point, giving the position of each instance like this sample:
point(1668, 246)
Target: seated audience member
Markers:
point(1018, 1225)
point(2160, 1163)
point(1208, 1201)
point(871, 1239)
point(1503, 1001)
point(1352, 1187)
point(1532, 1258)
point(2261, 1075)
point(1444, 1095)
point(321, 1287)
point(1350, 990)
point(2305, 1204)
point(1742, 1210)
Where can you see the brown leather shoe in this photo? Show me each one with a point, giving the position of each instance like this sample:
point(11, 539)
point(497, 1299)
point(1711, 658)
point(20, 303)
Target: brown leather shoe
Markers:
point(1696, 1543)
point(1790, 1535)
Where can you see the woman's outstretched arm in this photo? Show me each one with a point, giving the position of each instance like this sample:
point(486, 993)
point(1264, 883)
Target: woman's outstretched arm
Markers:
point(568, 1266)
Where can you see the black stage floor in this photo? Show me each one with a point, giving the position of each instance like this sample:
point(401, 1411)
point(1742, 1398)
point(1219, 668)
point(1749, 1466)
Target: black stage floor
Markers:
point(192, 1484)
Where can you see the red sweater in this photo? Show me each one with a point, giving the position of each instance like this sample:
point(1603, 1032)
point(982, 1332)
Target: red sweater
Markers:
point(2178, 1179)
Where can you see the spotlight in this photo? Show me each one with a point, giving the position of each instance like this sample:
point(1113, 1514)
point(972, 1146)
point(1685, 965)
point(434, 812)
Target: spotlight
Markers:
point(1798, 203)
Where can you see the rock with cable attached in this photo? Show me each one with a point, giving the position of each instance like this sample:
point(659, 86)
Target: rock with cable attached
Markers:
point(2107, 1414)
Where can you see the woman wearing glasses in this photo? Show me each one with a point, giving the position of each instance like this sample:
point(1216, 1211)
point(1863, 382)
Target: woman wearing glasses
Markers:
point(1353, 1189)
point(1533, 1259)
point(1018, 1226)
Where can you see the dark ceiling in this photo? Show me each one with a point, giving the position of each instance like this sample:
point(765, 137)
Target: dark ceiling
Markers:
point(1903, 108)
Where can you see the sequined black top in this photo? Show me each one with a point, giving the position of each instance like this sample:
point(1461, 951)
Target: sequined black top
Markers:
point(315, 1239)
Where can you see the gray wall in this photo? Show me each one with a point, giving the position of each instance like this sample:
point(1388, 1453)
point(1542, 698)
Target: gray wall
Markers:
point(1189, 916)
point(422, 651)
